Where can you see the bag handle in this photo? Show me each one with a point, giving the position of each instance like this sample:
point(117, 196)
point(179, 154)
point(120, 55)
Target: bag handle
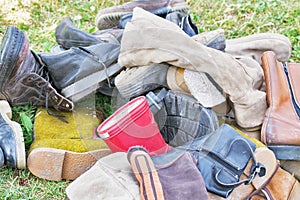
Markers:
point(256, 169)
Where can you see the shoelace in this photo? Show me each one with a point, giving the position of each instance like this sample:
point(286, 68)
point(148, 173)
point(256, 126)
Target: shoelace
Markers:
point(43, 73)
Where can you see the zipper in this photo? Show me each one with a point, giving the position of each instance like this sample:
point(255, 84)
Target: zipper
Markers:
point(295, 104)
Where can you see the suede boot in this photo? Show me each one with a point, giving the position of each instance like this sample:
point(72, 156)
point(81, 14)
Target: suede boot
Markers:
point(66, 150)
point(253, 46)
point(281, 129)
point(23, 76)
point(172, 175)
point(78, 72)
point(110, 178)
point(163, 41)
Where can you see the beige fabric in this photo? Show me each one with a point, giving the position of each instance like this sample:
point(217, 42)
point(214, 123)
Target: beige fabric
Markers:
point(110, 178)
point(162, 41)
point(253, 46)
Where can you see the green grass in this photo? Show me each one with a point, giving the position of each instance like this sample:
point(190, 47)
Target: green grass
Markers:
point(39, 18)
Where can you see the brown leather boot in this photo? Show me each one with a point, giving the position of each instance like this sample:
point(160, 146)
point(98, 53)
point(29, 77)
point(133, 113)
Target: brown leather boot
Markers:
point(23, 78)
point(281, 127)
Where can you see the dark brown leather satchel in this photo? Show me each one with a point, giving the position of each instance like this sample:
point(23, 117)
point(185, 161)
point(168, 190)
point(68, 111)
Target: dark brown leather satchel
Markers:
point(281, 126)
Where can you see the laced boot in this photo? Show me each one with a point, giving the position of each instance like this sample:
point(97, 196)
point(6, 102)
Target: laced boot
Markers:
point(80, 71)
point(23, 78)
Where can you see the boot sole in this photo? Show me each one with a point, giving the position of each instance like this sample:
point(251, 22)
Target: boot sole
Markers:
point(56, 164)
point(13, 49)
point(286, 152)
point(110, 20)
point(89, 84)
point(6, 113)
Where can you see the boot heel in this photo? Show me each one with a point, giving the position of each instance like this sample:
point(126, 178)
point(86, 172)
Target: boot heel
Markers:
point(6, 113)
point(20, 145)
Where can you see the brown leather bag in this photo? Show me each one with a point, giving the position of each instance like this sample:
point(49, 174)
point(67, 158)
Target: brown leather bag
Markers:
point(281, 126)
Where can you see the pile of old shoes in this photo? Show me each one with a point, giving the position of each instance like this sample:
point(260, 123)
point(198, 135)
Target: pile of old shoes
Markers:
point(180, 99)
point(12, 148)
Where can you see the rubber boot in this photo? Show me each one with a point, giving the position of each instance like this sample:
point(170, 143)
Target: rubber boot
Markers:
point(133, 124)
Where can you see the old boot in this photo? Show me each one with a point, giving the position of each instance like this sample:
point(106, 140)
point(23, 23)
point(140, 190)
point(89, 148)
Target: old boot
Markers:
point(110, 178)
point(138, 80)
point(65, 150)
point(179, 117)
point(12, 148)
point(23, 77)
point(163, 41)
point(253, 46)
point(281, 129)
point(78, 71)
point(109, 17)
point(68, 35)
point(1, 158)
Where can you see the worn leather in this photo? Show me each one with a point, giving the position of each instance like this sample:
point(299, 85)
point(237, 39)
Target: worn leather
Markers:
point(281, 123)
point(145, 4)
point(69, 66)
point(179, 176)
point(278, 183)
point(221, 158)
point(68, 35)
point(27, 81)
point(109, 17)
point(180, 118)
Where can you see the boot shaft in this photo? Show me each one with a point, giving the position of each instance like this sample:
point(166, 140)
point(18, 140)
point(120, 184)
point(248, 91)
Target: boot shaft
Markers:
point(281, 122)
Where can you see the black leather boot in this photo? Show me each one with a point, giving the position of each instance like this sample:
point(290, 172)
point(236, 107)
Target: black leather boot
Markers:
point(79, 71)
point(12, 148)
point(68, 35)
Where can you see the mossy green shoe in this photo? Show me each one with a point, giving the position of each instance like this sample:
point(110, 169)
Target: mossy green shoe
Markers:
point(65, 150)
